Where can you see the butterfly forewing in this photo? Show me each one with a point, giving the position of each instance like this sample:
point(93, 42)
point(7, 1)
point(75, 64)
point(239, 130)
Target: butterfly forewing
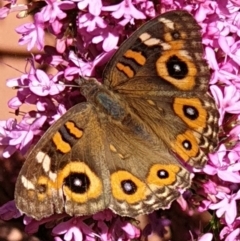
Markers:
point(165, 54)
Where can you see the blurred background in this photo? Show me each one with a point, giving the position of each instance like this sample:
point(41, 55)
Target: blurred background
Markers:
point(12, 64)
point(13, 57)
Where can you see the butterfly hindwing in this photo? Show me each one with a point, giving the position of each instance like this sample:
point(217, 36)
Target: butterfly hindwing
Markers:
point(143, 177)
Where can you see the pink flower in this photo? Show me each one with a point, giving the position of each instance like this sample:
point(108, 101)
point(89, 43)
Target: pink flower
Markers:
point(51, 55)
point(205, 9)
point(40, 83)
point(81, 68)
point(148, 8)
point(234, 235)
point(234, 154)
point(53, 10)
point(228, 100)
point(206, 237)
point(124, 9)
point(227, 206)
point(109, 38)
point(74, 229)
point(9, 211)
point(4, 11)
point(91, 22)
point(222, 72)
point(231, 232)
point(131, 231)
point(52, 14)
point(94, 6)
point(32, 34)
point(231, 48)
point(19, 136)
point(220, 166)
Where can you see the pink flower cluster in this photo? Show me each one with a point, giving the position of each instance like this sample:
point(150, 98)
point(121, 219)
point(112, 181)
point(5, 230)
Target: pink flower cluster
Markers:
point(87, 34)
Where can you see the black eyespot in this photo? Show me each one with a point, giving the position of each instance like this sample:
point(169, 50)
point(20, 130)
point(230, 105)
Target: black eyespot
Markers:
point(175, 35)
point(162, 174)
point(42, 188)
point(190, 112)
point(176, 67)
point(129, 187)
point(77, 182)
point(187, 144)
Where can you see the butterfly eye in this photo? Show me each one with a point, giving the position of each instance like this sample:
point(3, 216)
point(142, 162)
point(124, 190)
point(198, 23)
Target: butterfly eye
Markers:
point(191, 112)
point(162, 174)
point(77, 182)
point(128, 186)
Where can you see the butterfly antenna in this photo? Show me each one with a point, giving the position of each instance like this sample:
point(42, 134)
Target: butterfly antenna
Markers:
point(80, 80)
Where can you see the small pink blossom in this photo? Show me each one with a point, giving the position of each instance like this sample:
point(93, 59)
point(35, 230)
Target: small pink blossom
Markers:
point(231, 232)
point(91, 22)
point(227, 206)
point(94, 6)
point(4, 11)
point(9, 211)
point(81, 68)
point(228, 100)
point(223, 72)
point(124, 9)
point(74, 229)
point(19, 136)
point(109, 38)
point(220, 166)
point(148, 8)
point(131, 230)
point(53, 10)
point(206, 237)
point(32, 34)
point(40, 83)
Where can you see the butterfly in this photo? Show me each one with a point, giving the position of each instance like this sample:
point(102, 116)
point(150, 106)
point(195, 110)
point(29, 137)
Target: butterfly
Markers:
point(129, 147)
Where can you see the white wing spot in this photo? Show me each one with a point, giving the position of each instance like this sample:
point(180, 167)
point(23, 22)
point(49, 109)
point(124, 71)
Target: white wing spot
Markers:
point(40, 156)
point(148, 40)
point(144, 36)
point(167, 22)
point(44, 159)
point(165, 46)
point(26, 183)
point(152, 42)
point(112, 148)
point(52, 176)
point(151, 102)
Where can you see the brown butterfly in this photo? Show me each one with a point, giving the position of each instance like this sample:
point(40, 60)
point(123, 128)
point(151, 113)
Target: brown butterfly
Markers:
point(128, 146)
